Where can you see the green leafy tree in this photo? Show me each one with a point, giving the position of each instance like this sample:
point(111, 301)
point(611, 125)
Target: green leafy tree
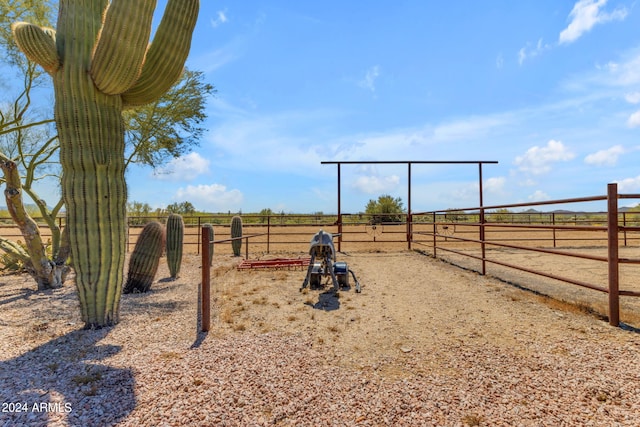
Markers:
point(183, 208)
point(138, 213)
point(500, 215)
point(138, 208)
point(170, 127)
point(385, 209)
point(27, 152)
point(264, 214)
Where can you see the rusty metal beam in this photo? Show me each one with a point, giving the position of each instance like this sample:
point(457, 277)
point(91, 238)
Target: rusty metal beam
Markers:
point(400, 162)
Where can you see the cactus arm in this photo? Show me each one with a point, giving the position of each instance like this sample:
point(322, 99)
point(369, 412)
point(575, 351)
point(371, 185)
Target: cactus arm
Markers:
point(38, 44)
point(122, 44)
point(167, 54)
point(77, 30)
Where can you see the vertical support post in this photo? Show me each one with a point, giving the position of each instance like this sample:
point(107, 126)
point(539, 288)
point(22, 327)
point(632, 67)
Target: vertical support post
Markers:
point(624, 227)
point(246, 248)
point(268, 231)
point(482, 231)
point(198, 240)
point(612, 244)
point(435, 228)
point(553, 221)
point(409, 237)
point(339, 214)
point(205, 293)
point(128, 234)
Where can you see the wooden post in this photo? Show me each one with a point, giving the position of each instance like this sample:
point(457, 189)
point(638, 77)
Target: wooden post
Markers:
point(612, 244)
point(206, 282)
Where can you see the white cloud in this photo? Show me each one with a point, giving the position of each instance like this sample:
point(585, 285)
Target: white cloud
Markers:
point(472, 127)
point(369, 80)
point(211, 197)
point(538, 196)
point(528, 52)
point(634, 120)
point(494, 185)
point(211, 60)
point(499, 61)
point(277, 142)
point(629, 184)
point(538, 160)
point(221, 18)
point(608, 157)
point(623, 73)
point(585, 15)
point(528, 183)
point(373, 184)
point(627, 72)
point(632, 97)
point(184, 168)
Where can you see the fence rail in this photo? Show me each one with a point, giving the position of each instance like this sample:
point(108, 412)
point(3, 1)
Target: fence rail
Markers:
point(452, 231)
point(611, 227)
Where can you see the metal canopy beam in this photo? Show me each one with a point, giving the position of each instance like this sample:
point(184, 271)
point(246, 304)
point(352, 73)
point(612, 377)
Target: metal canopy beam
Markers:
point(408, 163)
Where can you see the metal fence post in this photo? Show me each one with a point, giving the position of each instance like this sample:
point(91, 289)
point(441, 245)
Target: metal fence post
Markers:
point(553, 222)
point(612, 245)
point(206, 282)
point(435, 243)
point(482, 242)
point(624, 225)
point(409, 231)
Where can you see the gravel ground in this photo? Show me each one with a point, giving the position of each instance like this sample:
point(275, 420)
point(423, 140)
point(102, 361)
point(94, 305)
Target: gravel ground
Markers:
point(481, 353)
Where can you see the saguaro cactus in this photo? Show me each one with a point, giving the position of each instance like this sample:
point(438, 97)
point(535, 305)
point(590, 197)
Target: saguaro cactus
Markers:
point(236, 231)
point(211, 239)
point(101, 62)
point(175, 237)
point(145, 258)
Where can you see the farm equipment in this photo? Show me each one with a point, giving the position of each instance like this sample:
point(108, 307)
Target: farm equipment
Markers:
point(323, 264)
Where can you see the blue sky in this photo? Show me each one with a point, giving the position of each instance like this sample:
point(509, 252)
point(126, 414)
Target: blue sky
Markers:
point(548, 88)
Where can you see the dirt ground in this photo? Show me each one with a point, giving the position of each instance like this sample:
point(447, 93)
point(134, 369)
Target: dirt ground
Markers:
point(410, 304)
point(416, 318)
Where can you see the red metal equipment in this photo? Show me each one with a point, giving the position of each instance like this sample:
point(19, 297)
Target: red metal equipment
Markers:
point(276, 263)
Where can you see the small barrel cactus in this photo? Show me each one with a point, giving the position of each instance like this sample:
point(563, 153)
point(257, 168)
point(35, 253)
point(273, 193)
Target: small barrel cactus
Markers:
point(236, 231)
point(211, 238)
point(145, 258)
point(175, 237)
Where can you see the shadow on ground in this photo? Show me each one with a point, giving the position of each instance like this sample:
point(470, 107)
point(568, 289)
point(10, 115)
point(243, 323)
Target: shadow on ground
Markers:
point(59, 381)
point(327, 301)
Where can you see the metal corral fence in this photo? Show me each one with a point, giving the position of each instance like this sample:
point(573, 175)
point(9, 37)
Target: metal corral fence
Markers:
point(487, 237)
point(290, 232)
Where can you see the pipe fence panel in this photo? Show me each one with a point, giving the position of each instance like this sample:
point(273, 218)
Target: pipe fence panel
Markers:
point(580, 240)
point(486, 235)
